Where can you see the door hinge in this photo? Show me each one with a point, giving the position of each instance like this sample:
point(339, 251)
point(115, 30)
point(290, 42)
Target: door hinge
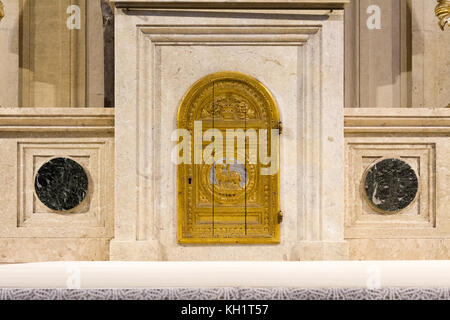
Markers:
point(279, 127)
point(280, 217)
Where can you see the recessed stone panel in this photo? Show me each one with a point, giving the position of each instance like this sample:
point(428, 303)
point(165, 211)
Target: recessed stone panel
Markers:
point(390, 189)
point(64, 189)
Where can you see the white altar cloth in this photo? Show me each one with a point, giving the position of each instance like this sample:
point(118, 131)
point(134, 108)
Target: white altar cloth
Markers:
point(349, 274)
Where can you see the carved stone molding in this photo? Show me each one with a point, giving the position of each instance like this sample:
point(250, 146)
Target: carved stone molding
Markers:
point(398, 121)
point(229, 4)
point(56, 120)
point(443, 12)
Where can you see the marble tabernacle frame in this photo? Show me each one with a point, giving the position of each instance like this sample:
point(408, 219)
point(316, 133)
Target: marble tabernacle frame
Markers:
point(296, 53)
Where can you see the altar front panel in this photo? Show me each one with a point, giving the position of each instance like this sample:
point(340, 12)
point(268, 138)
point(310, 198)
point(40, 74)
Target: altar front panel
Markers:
point(298, 56)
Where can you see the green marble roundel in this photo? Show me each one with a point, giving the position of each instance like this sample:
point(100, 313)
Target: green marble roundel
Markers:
point(61, 184)
point(391, 185)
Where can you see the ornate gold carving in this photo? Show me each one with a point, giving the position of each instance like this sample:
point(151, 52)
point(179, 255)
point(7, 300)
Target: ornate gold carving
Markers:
point(228, 201)
point(227, 180)
point(229, 107)
point(443, 12)
point(228, 184)
point(2, 11)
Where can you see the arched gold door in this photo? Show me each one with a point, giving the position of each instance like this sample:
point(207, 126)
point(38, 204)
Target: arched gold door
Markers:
point(228, 187)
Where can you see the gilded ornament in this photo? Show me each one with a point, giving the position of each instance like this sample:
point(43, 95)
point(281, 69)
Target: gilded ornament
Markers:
point(228, 201)
point(443, 12)
point(2, 10)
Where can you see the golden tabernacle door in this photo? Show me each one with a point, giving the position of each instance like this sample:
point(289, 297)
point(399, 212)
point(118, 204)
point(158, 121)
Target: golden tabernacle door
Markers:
point(228, 182)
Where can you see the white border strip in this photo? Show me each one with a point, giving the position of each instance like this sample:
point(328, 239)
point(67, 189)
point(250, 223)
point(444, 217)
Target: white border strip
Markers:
point(88, 275)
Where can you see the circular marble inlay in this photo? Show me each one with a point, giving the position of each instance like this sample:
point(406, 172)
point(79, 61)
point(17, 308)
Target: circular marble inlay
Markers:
point(391, 185)
point(61, 184)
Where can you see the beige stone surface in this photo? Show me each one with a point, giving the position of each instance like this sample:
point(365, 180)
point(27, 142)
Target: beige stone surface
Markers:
point(52, 56)
point(26, 250)
point(29, 231)
point(399, 249)
point(95, 62)
point(320, 251)
point(421, 232)
point(433, 45)
point(43, 63)
point(411, 69)
point(297, 57)
point(9, 55)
